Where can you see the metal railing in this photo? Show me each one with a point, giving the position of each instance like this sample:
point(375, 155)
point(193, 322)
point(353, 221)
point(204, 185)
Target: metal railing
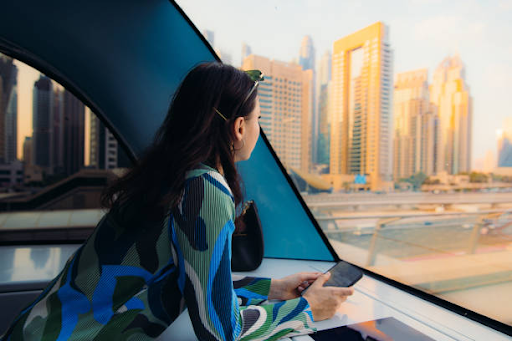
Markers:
point(483, 218)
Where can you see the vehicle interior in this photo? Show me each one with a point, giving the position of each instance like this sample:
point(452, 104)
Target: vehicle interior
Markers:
point(113, 66)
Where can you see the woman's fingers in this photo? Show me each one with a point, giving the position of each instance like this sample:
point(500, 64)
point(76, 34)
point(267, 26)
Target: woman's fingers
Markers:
point(320, 281)
point(308, 276)
point(342, 292)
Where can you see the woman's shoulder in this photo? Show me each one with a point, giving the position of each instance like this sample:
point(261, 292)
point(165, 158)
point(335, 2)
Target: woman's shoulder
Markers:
point(208, 178)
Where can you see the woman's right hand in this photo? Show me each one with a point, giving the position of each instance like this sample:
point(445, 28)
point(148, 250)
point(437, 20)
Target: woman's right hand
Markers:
point(325, 301)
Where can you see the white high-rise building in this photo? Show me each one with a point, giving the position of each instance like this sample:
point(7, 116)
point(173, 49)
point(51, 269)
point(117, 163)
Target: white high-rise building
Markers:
point(286, 106)
point(450, 93)
point(307, 61)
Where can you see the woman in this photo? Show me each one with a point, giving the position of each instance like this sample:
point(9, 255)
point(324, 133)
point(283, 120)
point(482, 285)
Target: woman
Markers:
point(165, 242)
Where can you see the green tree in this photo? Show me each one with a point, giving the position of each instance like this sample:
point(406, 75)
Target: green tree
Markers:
point(478, 177)
point(416, 180)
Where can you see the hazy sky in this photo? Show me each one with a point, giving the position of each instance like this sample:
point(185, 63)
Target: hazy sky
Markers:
point(422, 34)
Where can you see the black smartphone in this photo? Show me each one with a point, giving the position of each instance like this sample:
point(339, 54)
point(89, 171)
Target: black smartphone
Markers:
point(343, 274)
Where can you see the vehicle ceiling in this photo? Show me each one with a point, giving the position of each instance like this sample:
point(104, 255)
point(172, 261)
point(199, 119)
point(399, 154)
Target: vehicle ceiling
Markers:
point(124, 59)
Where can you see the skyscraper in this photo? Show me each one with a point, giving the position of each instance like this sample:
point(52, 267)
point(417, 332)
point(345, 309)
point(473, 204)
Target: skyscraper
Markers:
point(58, 131)
point(11, 127)
point(27, 151)
point(286, 106)
point(8, 109)
point(416, 126)
point(324, 71)
point(73, 133)
point(505, 144)
point(42, 153)
point(450, 93)
point(362, 76)
point(324, 128)
point(209, 36)
point(246, 51)
point(103, 146)
point(307, 54)
point(307, 61)
point(489, 162)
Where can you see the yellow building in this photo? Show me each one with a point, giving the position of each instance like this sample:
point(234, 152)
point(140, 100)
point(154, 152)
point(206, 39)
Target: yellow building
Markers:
point(362, 77)
point(450, 93)
point(286, 109)
point(415, 126)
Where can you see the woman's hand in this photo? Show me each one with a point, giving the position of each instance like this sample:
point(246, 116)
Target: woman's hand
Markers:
point(325, 301)
point(291, 286)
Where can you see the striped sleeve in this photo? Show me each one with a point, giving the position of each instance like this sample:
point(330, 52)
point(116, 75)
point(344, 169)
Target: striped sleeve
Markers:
point(251, 290)
point(201, 230)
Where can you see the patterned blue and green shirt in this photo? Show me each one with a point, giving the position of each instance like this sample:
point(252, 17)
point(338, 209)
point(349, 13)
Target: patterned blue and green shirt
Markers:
point(131, 284)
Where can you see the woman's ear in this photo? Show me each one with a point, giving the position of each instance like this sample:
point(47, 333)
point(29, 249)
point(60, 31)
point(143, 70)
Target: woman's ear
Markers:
point(239, 128)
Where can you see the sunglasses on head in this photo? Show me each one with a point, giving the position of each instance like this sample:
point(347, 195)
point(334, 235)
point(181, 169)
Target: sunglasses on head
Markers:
point(257, 77)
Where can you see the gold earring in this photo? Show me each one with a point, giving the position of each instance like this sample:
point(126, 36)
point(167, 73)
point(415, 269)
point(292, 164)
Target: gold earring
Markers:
point(243, 145)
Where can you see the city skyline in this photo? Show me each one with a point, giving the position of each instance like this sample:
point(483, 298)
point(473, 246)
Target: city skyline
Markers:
point(314, 150)
point(306, 56)
point(422, 32)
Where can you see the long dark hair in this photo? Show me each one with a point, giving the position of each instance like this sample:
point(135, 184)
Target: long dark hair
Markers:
point(191, 133)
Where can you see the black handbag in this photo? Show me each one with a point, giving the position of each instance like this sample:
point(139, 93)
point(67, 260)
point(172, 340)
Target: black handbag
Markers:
point(247, 242)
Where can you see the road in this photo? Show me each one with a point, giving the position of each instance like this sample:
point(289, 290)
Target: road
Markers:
point(334, 201)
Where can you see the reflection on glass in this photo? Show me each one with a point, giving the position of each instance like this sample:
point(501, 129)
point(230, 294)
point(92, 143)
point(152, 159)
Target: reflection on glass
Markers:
point(386, 329)
point(39, 257)
point(36, 263)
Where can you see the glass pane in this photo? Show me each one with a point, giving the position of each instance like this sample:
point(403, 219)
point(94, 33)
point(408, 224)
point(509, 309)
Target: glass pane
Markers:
point(55, 155)
point(394, 124)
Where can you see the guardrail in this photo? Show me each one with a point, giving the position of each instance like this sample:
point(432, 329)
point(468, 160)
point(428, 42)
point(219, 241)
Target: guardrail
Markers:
point(483, 218)
point(408, 202)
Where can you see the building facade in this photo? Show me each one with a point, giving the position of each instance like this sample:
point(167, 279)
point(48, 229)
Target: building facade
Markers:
point(103, 146)
point(42, 128)
point(362, 77)
point(246, 51)
point(8, 110)
point(505, 144)
point(308, 61)
point(73, 135)
point(286, 109)
point(324, 124)
point(416, 126)
point(450, 93)
point(58, 131)
point(209, 36)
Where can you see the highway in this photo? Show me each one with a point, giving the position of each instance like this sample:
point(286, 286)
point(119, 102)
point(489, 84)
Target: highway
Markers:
point(341, 201)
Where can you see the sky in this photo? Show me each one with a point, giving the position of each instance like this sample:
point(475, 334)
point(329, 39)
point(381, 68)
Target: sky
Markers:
point(422, 34)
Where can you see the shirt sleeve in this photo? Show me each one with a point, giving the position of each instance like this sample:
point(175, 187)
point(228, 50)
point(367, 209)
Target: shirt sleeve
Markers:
point(201, 230)
point(251, 290)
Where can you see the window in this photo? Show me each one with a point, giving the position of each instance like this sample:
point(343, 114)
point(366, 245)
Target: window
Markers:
point(419, 198)
point(57, 155)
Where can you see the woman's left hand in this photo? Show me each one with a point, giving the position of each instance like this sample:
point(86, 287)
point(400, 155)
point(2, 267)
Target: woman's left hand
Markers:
point(291, 286)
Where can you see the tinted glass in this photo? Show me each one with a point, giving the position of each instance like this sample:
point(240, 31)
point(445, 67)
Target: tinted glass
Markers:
point(55, 155)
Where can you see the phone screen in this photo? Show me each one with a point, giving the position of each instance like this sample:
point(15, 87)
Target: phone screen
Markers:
point(343, 274)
